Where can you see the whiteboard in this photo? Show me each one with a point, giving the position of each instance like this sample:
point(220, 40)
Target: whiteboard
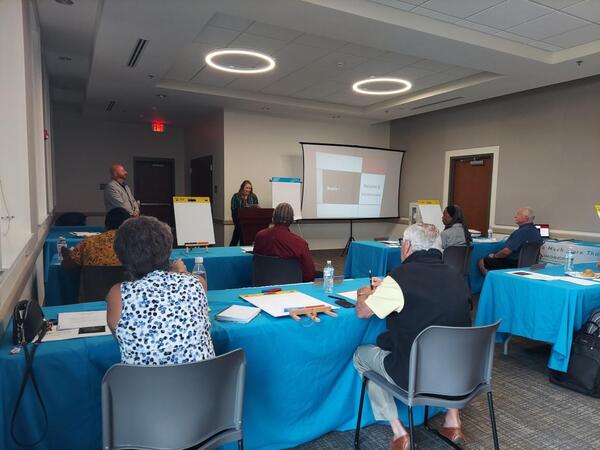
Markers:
point(432, 214)
point(287, 190)
point(193, 220)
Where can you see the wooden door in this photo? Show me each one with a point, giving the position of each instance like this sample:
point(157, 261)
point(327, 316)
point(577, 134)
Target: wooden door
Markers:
point(471, 189)
point(155, 187)
point(201, 179)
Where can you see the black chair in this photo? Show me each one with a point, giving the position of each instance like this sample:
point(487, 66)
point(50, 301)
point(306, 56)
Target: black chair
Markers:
point(529, 254)
point(197, 405)
point(96, 281)
point(70, 219)
point(449, 366)
point(269, 270)
point(458, 257)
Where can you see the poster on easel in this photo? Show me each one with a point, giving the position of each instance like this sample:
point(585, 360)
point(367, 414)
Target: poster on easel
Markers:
point(427, 211)
point(193, 220)
point(287, 190)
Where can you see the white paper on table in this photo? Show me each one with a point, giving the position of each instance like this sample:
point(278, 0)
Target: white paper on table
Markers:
point(84, 234)
point(70, 320)
point(480, 239)
point(275, 304)
point(247, 248)
point(391, 243)
point(63, 335)
point(532, 275)
point(578, 281)
point(350, 294)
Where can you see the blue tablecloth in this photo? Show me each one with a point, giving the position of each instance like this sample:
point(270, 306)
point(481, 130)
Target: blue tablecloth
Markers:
point(380, 258)
point(549, 311)
point(300, 381)
point(226, 268)
point(52, 239)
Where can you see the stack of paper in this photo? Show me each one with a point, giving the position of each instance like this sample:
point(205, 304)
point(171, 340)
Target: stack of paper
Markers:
point(247, 248)
point(75, 325)
point(84, 234)
point(238, 313)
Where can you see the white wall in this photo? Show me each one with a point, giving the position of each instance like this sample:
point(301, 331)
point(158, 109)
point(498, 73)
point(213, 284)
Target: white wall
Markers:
point(260, 146)
point(84, 150)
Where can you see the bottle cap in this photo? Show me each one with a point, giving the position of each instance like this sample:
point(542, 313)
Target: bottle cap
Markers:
point(328, 261)
point(198, 260)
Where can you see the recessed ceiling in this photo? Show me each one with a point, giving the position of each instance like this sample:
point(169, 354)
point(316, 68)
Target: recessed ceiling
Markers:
point(453, 52)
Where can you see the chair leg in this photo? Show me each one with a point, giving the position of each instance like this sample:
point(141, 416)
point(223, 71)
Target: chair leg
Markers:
point(360, 408)
point(506, 344)
point(411, 428)
point(241, 444)
point(426, 416)
point(493, 420)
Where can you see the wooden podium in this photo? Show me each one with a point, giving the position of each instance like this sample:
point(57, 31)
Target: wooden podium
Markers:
point(252, 220)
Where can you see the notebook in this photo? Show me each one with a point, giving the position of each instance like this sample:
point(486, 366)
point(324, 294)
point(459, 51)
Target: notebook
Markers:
point(238, 313)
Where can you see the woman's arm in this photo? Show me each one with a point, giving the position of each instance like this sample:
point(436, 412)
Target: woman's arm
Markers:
point(114, 307)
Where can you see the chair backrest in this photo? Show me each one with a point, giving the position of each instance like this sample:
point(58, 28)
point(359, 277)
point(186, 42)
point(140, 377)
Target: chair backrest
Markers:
point(175, 406)
point(458, 257)
point(70, 219)
point(451, 361)
point(268, 270)
point(96, 281)
point(529, 254)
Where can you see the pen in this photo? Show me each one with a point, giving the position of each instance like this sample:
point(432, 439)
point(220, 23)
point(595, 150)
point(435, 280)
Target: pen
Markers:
point(297, 308)
point(271, 291)
point(370, 279)
point(337, 298)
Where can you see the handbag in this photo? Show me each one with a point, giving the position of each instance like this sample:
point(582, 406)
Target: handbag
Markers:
point(29, 328)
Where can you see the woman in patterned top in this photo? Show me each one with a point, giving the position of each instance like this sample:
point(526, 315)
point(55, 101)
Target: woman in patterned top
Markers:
point(244, 198)
point(162, 316)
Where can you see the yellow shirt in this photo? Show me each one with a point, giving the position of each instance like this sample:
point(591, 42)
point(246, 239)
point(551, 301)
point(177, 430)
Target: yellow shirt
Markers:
point(387, 298)
point(96, 250)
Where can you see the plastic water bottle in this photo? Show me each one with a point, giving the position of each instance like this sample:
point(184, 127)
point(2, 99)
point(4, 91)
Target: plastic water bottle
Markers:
point(199, 271)
point(62, 242)
point(569, 260)
point(328, 276)
point(490, 233)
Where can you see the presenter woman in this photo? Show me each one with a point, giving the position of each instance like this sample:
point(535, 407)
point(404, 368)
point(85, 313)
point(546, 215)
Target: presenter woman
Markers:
point(456, 232)
point(244, 198)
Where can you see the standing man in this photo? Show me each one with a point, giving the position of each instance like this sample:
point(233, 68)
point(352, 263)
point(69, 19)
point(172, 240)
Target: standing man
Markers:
point(508, 257)
point(117, 193)
point(421, 292)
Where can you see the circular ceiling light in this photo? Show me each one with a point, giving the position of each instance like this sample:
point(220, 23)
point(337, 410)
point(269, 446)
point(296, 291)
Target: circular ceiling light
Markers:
point(405, 86)
point(269, 63)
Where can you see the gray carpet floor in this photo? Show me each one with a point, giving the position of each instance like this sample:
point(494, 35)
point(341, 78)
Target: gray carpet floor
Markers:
point(531, 413)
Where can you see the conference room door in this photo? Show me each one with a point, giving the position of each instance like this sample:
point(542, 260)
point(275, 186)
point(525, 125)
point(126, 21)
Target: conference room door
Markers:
point(155, 187)
point(201, 179)
point(471, 188)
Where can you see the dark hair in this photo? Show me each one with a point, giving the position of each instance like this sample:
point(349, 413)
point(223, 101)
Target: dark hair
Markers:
point(243, 184)
point(283, 214)
point(456, 213)
point(115, 217)
point(143, 245)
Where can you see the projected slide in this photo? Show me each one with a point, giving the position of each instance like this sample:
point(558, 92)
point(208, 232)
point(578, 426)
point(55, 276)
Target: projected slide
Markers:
point(350, 182)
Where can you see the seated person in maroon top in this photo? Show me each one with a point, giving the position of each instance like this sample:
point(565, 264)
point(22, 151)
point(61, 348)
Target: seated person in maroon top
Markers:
point(281, 242)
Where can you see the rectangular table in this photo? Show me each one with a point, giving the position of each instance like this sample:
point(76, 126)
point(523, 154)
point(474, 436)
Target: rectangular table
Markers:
point(300, 382)
point(226, 268)
point(57, 232)
point(548, 311)
point(553, 251)
point(380, 258)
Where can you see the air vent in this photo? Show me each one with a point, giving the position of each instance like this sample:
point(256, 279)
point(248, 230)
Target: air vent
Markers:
point(137, 52)
point(436, 103)
point(110, 106)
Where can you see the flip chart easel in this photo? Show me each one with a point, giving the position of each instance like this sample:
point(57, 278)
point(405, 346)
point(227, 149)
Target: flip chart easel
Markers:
point(287, 190)
point(193, 221)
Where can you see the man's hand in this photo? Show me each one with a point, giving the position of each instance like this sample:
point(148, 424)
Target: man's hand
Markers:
point(362, 310)
point(491, 255)
point(376, 281)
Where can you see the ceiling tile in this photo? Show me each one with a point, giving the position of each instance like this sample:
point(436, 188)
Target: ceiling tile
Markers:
point(273, 31)
point(433, 80)
point(404, 60)
point(405, 5)
point(463, 8)
point(514, 37)
point(331, 61)
point(349, 97)
point(378, 67)
point(432, 66)
point(312, 40)
point(230, 22)
point(557, 4)
point(549, 25)
point(476, 26)
point(544, 46)
point(435, 15)
point(361, 50)
point(319, 91)
point(576, 37)
point(259, 43)
point(461, 71)
point(588, 9)
point(296, 81)
point(218, 37)
point(213, 77)
point(189, 62)
point(411, 73)
point(509, 14)
point(300, 54)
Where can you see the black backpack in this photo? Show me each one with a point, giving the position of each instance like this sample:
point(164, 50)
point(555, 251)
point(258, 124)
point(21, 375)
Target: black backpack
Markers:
point(583, 374)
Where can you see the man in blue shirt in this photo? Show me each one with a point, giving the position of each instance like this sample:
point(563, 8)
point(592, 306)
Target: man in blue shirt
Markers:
point(508, 257)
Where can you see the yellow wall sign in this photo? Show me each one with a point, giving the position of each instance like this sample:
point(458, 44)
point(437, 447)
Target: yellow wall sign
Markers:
point(191, 199)
point(428, 202)
point(597, 210)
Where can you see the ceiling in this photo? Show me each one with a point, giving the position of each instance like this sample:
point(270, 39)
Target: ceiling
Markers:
point(452, 51)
